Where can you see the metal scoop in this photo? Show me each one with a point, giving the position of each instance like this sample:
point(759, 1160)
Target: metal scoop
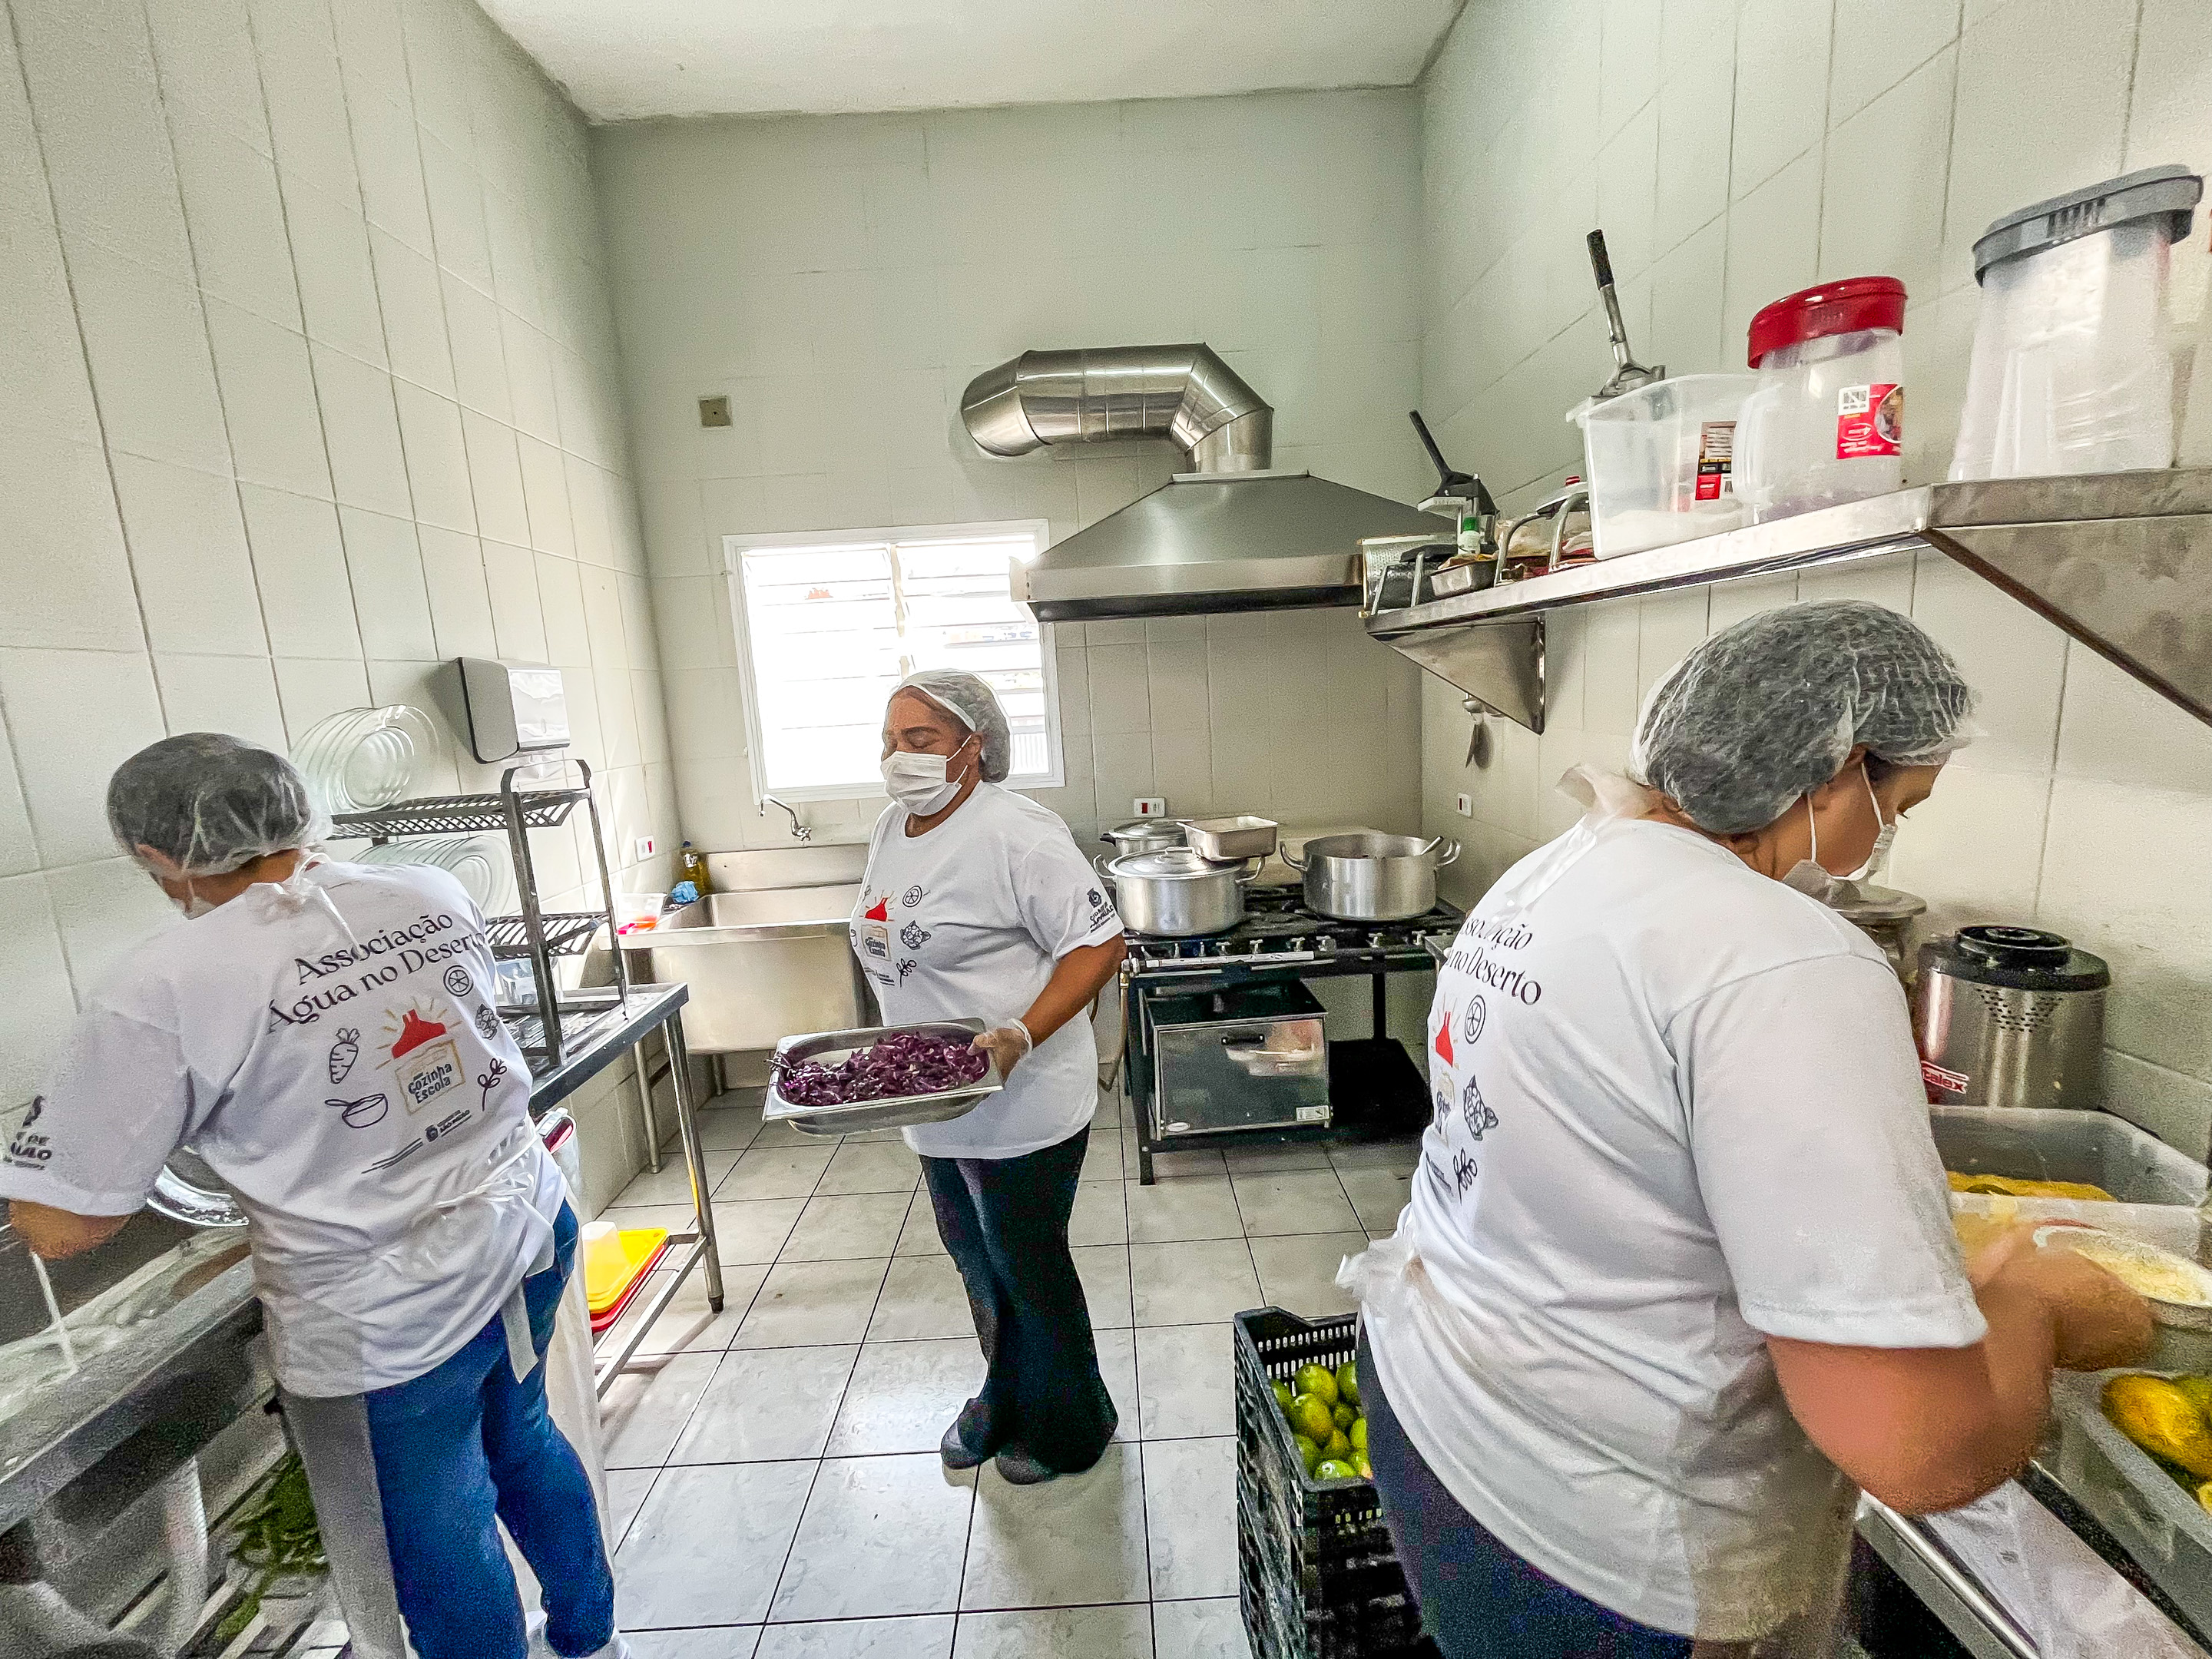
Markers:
point(1628, 373)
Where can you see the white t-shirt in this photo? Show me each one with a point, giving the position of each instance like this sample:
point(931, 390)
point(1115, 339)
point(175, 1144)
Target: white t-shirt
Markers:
point(1676, 1109)
point(967, 921)
point(352, 1095)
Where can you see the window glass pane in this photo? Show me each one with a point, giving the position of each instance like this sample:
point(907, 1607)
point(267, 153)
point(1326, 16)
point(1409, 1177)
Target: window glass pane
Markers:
point(832, 627)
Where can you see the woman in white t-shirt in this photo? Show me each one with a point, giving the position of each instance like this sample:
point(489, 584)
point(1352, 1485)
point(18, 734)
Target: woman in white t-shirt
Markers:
point(977, 905)
point(1678, 1272)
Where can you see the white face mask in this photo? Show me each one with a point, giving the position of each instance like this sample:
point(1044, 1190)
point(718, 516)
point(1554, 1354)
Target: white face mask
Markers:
point(920, 782)
point(1811, 877)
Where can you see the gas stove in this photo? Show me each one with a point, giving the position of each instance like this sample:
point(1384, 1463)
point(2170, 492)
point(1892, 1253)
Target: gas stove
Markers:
point(1280, 932)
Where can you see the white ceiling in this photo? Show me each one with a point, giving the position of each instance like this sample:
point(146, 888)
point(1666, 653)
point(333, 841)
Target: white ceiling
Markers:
point(627, 59)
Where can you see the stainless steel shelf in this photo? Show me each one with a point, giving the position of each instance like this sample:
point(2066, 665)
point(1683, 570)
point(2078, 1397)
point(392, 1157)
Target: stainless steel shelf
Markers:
point(2121, 561)
point(458, 815)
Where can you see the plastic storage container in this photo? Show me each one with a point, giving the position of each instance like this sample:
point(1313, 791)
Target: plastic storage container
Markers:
point(2156, 1189)
point(2072, 369)
point(1660, 462)
point(2163, 1526)
point(1317, 1574)
point(1826, 424)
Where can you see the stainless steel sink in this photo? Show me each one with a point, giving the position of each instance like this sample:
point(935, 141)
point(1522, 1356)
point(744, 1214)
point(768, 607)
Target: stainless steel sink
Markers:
point(762, 965)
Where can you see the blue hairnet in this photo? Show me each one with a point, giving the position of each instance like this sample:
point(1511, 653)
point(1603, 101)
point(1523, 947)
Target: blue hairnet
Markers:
point(969, 700)
point(1768, 709)
point(210, 802)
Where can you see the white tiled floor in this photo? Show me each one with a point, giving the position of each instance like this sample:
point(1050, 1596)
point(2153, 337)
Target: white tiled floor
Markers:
point(774, 1469)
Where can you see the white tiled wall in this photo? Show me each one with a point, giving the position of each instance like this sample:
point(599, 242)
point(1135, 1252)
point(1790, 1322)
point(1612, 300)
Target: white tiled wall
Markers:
point(309, 382)
point(1736, 152)
point(842, 279)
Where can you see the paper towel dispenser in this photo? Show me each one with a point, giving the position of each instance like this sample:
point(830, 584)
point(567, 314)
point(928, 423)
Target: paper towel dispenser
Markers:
point(513, 707)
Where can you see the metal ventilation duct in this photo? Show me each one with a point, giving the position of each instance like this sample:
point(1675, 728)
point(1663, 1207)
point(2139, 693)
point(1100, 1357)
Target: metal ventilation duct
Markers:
point(1228, 535)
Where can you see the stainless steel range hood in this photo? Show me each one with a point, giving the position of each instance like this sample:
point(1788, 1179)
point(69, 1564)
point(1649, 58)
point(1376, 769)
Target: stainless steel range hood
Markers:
point(1230, 535)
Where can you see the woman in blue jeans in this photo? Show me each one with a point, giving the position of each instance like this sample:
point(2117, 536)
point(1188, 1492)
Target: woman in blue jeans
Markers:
point(323, 1035)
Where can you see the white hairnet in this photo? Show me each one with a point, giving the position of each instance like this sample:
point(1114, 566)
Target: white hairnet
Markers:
point(210, 802)
point(970, 701)
point(1764, 712)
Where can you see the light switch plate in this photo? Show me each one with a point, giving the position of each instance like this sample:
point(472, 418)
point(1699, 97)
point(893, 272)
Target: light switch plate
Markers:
point(1464, 804)
point(646, 846)
point(1151, 806)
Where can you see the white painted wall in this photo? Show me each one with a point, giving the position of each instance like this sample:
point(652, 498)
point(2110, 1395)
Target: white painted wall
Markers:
point(842, 279)
point(309, 383)
point(1734, 153)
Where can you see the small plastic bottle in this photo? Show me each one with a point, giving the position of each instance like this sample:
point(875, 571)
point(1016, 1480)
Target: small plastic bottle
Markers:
point(691, 866)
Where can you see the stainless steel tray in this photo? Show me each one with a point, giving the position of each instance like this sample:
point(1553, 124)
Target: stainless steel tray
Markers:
point(897, 1113)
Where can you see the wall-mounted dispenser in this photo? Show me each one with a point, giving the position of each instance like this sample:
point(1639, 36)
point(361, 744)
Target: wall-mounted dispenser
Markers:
point(513, 707)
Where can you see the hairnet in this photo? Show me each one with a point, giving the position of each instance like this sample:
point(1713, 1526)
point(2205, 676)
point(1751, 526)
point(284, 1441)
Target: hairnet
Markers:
point(210, 802)
point(969, 700)
point(1768, 709)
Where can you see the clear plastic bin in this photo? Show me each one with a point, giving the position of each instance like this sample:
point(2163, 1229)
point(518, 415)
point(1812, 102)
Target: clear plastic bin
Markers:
point(1660, 462)
point(2164, 1527)
point(2156, 1189)
point(2072, 370)
point(1826, 424)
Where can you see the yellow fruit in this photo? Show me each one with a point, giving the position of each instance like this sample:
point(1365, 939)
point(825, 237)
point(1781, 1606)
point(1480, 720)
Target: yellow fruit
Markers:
point(2199, 1390)
point(2160, 1418)
point(1310, 1416)
point(1345, 1416)
point(1347, 1382)
point(1282, 1393)
point(1337, 1446)
point(1367, 1470)
point(1317, 1380)
point(1335, 1469)
point(1309, 1453)
point(1358, 1435)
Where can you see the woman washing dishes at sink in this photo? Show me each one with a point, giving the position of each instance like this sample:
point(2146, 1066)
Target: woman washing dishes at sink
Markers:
point(976, 902)
point(322, 1034)
point(1678, 1272)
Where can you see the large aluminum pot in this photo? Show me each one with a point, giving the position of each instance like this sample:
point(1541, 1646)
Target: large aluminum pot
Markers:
point(1177, 894)
point(1143, 836)
point(1370, 877)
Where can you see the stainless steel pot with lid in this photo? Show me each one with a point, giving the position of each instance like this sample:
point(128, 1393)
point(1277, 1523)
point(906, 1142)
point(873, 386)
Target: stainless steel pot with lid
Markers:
point(1143, 836)
point(1372, 878)
point(1176, 894)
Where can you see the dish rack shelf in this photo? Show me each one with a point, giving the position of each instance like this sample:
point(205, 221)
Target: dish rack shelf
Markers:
point(537, 935)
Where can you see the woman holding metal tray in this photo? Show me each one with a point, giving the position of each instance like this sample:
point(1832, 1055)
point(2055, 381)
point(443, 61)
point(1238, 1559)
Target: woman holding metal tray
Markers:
point(977, 902)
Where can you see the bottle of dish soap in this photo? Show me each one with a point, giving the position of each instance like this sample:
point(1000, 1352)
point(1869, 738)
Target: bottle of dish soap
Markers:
point(691, 866)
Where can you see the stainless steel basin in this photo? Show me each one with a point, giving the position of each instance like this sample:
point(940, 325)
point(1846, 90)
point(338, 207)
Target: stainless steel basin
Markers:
point(762, 965)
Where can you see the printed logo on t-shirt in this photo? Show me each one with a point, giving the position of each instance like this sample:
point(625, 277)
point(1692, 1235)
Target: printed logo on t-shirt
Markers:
point(879, 911)
point(907, 965)
point(912, 896)
point(913, 936)
point(457, 982)
point(487, 1023)
point(363, 1113)
point(1444, 1043)
point(1479, 1118)
point(27, 1149)
point(1443, 1106)
point(424, 1057)
point(1477, 1015)
point(343, 1052)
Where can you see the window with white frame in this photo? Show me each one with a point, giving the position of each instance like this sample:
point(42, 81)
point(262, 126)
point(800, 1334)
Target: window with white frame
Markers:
point(829, 622)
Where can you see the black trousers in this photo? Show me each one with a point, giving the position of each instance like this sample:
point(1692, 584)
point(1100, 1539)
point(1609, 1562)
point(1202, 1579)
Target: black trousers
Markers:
point(1004, 1222)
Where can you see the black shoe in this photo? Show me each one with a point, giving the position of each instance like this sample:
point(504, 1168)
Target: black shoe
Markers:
point(1017, 1468)
point(966, 1445)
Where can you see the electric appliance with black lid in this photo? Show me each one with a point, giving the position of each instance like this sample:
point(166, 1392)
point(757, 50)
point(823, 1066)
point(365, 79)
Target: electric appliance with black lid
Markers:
point(2010, 1016)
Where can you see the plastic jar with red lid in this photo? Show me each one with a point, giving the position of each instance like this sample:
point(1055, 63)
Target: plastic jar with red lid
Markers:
point(1826, 424)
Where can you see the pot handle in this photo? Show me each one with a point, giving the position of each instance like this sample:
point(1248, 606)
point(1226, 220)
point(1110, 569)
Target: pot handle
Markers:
point(1251, 872)
point(1451, 850)
point(1291, 859)
point(1105, 875)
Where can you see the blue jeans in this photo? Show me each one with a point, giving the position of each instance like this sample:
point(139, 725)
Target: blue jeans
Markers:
point(463, 1443)
point(1478, 1599)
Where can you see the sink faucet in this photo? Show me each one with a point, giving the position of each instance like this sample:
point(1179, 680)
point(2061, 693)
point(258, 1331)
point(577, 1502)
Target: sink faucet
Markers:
point(799, 832)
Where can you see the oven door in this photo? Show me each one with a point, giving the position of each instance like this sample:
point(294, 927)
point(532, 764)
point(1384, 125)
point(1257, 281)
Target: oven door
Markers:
point(1250, 1057)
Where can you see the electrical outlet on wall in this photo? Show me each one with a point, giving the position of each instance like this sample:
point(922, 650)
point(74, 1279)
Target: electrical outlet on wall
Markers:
point(646, 846)
point(1464, 805)
point(1151, 806)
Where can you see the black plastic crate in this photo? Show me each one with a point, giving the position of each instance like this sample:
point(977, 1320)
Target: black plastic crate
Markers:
point(1317, 1577)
